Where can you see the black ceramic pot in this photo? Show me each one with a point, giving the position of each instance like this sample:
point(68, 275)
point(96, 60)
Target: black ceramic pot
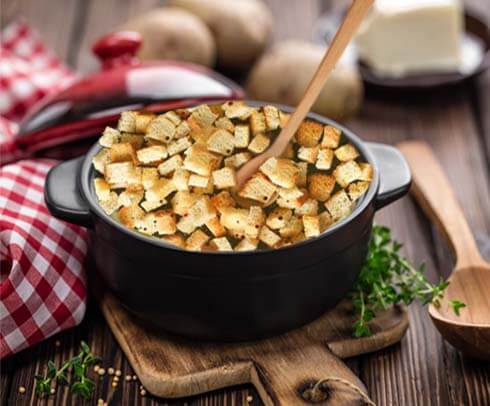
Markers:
point(228, 295)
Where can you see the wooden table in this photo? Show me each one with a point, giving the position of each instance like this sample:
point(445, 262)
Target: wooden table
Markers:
point(422, 369)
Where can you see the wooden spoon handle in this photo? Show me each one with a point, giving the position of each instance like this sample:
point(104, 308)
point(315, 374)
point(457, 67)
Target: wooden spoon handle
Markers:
point(350, 24)
point(433, 191)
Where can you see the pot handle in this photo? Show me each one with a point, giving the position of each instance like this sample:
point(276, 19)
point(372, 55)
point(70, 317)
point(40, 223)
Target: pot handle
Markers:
point(62, 196)
point(394, 173)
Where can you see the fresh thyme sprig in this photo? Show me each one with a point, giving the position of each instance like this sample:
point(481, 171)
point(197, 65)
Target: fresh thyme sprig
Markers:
point(387, 278)
point(79, 364)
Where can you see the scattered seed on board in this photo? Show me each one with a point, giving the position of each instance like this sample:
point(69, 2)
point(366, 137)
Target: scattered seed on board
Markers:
point(128, 377)
point(142, 392)
point(118, 372)
point(22, 389)
point(110, 371)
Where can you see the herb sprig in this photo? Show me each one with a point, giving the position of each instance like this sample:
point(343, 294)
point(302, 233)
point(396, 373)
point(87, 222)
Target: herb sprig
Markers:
point(79, 365)
point(387, 278)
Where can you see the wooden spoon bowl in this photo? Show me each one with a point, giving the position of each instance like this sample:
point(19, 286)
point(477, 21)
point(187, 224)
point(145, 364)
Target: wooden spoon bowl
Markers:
point(470, 281)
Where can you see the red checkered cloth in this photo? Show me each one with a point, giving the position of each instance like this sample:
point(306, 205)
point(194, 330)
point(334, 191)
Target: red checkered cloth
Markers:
point(42, 280)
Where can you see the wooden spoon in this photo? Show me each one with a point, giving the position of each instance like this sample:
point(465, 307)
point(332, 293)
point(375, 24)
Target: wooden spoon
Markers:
point(470, 281)
point(352, 20)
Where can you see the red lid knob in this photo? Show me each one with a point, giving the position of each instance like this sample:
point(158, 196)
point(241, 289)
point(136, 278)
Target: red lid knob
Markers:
point(118, 48)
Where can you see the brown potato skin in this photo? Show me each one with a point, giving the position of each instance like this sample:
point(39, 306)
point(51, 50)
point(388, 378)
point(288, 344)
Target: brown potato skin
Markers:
point(282, 74)
point(241, 28)
point(173, 33)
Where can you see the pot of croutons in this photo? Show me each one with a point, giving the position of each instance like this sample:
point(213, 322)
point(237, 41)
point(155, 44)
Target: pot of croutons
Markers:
point(181, 246)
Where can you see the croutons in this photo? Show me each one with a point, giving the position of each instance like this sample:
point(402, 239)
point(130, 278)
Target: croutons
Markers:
point(347, 172)
point(309, 207)
point(152, 155)
point(199, 160)
point(199, 181)
point(182, 201)
point(225, 123)
point(142, 120)
point(127, 121)
point(331, 137)
point(178, 146)
point(291, 198)
point(281, 172)
point(242, 136)
point(308, 154)
point(366, 172)
point(278, 218)
point(357, 189)
point(173, 117)
point(109, 137)
point(234, 218)
point(221, 142)
point(321, 186)
point(215, 226)
point(224, 178)
point(110, 204)
point(257, 123)
point(175, 239)
point(325, 220)
point(236, 109)
point(324, 159)
point(130, 215)
point(204, 115)
point(223, 200)
point(160, 190)
point(182, 130)
point(255, 220)
point(339, 205)
point(259, 143)
point(102, 189)
point(148, 177)
point(122, 174)
point(247, 244)
point(170, 165)
point(309, 134)
point(101, 159)
point(272, 120)
point(136, 140)
point(268, 237)
point(130, 197)
point(221, 244)
point(260, 189)
point(161, 129)
point(196, 240)
point(181, 179)
point(311, 225)
point(122, 152)
point(346, 152)
point(302, 180)
point(237, 160)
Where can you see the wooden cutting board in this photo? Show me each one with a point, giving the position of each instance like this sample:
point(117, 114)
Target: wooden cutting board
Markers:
point(286, 370)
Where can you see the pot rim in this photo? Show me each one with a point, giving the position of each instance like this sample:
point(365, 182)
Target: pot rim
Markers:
point(86, 174)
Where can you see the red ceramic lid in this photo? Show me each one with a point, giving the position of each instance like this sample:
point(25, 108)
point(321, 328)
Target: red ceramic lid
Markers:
point(84, 109)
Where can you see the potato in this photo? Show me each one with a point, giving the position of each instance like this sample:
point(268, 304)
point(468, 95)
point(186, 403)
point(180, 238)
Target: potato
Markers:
point(241, 28)
point(282, 74)
point(173, 33)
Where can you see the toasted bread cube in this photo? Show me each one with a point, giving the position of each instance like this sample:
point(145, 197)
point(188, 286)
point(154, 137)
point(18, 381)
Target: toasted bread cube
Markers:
point(130, 197)
point(208, 190)
point(311, 225)
point(101, 159)
point(152, 205)
point(288, 152)
point(308, 208)
point(178, 146)
point(236, 109)
point(127, 121)
point(255, 220)
point(204, 115)
point(292, 228)
point(236, 234)
point(339, 205)
point(224, 178)
point(346, 153)
point(278, 218)
point(331, 137)
point(221, 142)
point(165, 222)
point(320, 186)
point(223, 200)
point(122, 174)
point(272, 120)
point(199, 133)
point(309, 134)
point(198, 181)
point(160, 190)
point(325, 220)
point(291, 198)
point(196, 240)
point(324, 159)
point(182, 201)
point(242, 136)
point(122, 152)
point(147, 225)
point(247, 244)
point(303, 174)
point(268, 237)
point(109, 137)
point(214, 225)
point(136, 140)
point(200, 161)
point(170, 165)
point(367, 172)
point(216, 109)
point(234, 218)
point(283, 118)
point(221, 244)
point(237, 160)
point(148, 177)
point(257, 123)
point(225, 124)
point(102, 189)
point(186, 225)
point(161, 129)
point(181, 179)
point(357, 189)
point(110, 204)
point(347, 172)
point(308, 154)
point(142, 121)
point(152, 155)
point(130, 215)
point(259, 143)
point(175, 239)
point(259, 188)
point(182, 130)
point(173, 117)
point(297, 238)
point(202, 211)
point(282, 172)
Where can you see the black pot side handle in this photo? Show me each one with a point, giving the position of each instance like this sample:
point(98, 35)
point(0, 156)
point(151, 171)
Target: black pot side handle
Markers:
point(62, 196)
point(394, 173)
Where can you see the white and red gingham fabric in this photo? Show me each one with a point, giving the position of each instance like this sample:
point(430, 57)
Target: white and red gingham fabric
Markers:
point(42, 280)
